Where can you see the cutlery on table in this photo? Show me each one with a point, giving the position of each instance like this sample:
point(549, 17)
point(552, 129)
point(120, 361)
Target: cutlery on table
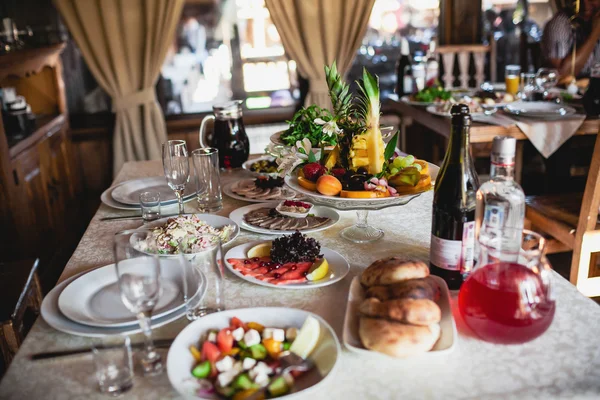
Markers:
point(162, 343)
point(289, 362)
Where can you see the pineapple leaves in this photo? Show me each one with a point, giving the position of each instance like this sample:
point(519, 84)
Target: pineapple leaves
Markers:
point(390, 148)
point(368, 99)
point(339, 92)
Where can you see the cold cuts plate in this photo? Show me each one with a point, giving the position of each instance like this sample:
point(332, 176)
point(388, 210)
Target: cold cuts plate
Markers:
point(338, 269)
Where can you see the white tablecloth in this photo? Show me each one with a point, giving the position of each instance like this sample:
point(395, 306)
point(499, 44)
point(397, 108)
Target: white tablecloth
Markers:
point(563, 363)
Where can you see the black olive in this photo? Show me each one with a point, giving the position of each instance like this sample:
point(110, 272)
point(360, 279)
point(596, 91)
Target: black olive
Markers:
point(362, 171)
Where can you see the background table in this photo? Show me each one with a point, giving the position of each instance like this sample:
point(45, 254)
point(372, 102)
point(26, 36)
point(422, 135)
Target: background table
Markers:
point(564, 362)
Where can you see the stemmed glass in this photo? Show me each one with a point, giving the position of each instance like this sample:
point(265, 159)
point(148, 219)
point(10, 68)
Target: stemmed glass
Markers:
point(546, 78)
point(139, 283)
point(177, 167)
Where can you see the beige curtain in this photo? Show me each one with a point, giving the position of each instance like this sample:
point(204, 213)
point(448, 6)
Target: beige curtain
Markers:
point(124, 43)
point(316, 32)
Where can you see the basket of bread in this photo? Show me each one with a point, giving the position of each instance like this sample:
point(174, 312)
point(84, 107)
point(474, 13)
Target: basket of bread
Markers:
point(396, 308)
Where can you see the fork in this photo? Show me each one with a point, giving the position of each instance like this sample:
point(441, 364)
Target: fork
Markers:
point(289, 362)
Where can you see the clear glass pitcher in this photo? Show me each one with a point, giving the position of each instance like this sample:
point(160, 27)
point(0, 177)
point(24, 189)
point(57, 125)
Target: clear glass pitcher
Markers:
point(228, 136)
point(508, 297)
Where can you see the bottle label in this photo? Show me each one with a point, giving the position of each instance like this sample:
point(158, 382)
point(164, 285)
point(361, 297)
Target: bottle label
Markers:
point(493, 216)
point(454, 255)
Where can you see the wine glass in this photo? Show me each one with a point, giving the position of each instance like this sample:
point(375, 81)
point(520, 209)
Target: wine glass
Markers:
point(177, 167)
point(546, 78)
point(139, 284)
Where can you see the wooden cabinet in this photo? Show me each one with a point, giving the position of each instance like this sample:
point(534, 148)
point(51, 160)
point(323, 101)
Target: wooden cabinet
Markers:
point(41, 215)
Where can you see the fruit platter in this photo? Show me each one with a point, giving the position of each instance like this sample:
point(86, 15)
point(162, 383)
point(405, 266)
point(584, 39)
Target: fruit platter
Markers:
point(293, 261)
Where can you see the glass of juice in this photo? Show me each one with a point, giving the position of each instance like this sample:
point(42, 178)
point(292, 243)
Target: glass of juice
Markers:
point(508, 297)
point(511, 78)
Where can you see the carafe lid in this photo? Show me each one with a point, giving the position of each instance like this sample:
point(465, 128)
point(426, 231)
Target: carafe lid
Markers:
point(504, 146)
point(229, 110)
point(460, 114)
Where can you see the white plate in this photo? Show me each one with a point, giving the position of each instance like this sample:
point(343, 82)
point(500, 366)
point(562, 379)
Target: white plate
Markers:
point(53, 317)
point(276, 139)
point(338, 268)
point(433, 109)
point(539, 109)
point(445, 344)
point(128, 192)
point(228, 190)
point(94, 299)
point(325, 356)
point(107, 199)
point(407, 100)
point(216, 221)
point(248, 163)
point(238, 217)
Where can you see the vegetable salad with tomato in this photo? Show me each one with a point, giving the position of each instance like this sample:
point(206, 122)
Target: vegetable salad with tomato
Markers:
point(238, 360)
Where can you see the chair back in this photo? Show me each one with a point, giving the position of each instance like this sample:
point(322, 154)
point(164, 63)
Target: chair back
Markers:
point(450, 53)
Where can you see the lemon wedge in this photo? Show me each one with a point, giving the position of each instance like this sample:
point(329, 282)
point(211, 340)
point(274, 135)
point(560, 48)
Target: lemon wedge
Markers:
point(318, 270)
point(307, 338)
point(260, 250)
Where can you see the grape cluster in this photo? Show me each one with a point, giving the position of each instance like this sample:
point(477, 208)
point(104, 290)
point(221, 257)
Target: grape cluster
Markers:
point(294, 248)
point(400, 163)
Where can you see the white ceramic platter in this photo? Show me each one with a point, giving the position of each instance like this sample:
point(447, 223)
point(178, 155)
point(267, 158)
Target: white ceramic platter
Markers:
point(57, 320)
point(433, 109)
point(338, 268)
point(249, 163)
point(445, 344)
point(325, 355)
point(216, 221)
point(129, 191)
point(407, 100)
point(94, 299)
point(539, 110)
point(228, 190)
point(237, 216)
point(107, 199)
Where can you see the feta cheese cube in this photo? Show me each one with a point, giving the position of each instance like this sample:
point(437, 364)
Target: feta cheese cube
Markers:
point(289, 379)
point(279, 335)
point(252, 373)
point(224, 364)
point(248, 363)
point(238, 334)
point(237, 367)
point(262, 379)
point(212, 336)
point(252, 337)
point(267, 333)
point(225, 378)
point(291, 333)
point(262, 367)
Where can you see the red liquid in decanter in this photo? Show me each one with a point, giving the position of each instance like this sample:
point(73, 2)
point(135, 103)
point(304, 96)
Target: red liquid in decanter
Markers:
point(505, 303)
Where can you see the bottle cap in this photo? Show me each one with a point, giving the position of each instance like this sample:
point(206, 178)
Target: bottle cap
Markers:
point(504, 146)
point(460, 114)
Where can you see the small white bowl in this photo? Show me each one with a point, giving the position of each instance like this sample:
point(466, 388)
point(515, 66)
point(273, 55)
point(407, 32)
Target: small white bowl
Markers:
point(294, 214)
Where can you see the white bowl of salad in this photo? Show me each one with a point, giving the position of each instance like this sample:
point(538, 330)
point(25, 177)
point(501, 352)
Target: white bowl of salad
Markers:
point(234, 353)
point(189, 234)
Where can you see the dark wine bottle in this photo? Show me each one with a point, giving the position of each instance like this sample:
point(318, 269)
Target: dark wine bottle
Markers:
point(404, 81)
point(591, 99)
point(453, 226)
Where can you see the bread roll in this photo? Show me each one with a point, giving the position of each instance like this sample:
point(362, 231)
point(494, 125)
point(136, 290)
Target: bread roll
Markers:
point(425, 288)
point(417, 312)
point(391, 270)
point(395, 338)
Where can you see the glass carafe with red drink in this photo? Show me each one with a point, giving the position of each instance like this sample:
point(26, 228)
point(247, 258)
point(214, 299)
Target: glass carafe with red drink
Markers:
point(508, 297)
point(228, 135)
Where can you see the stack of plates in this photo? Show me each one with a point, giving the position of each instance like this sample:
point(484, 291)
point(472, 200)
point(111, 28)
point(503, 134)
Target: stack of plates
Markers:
point(89, 304)
point(539, 110)
point(126, 195)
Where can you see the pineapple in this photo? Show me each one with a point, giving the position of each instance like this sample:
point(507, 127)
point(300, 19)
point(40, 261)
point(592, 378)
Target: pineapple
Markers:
point(339, 93)
point(367, 147)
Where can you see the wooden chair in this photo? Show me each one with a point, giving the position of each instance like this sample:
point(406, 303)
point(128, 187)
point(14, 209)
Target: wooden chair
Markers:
point(572, 221)
point(450, 53)
point(20, 301)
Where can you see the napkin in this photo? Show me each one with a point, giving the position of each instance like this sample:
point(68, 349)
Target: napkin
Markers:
point(548, 136)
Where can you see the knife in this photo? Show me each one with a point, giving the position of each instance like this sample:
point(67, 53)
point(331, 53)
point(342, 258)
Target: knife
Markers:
point(124, 217)
point(159, 343)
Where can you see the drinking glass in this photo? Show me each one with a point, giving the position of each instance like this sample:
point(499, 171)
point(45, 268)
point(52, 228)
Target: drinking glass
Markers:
point(546, 78)
point(114, 364)
point(528, 86)
point(150, 205)
point(210, 265)
point(177, 167)
point(208, 183)
point(138, 276)
point(194, 286)
point(508, 298)
point(511, 78)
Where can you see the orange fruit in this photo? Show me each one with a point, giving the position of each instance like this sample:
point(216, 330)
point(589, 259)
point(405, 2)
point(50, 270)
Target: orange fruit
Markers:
point(363, 194)
point(423, 185)
point(306, 184)
point(424, 166)
point(329, 185)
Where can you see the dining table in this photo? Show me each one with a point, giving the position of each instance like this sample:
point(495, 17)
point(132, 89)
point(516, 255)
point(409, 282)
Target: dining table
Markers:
point(562, 363)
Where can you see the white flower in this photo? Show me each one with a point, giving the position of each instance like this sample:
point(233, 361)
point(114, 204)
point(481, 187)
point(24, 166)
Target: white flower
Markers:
point(329, 128)
point(288, 163)
point(304, 146)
